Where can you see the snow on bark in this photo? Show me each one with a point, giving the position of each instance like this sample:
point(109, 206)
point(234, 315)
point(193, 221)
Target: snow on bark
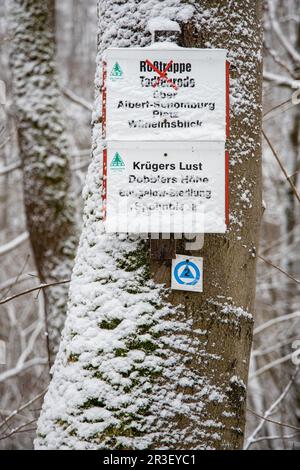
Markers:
point(135, 370)
point(44, 152)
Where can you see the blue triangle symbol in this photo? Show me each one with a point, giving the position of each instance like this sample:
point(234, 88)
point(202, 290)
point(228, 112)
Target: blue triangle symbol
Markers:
point(187, 273)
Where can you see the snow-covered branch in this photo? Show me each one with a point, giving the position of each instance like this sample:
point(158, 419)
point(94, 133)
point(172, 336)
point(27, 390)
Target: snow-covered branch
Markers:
point(38, 361)
point(275, 321)
point(281, 80)
point(280, 34)
point(77, 99)
point(271, 365)
point(9, 168)
point(33, 289)
point(9, 246)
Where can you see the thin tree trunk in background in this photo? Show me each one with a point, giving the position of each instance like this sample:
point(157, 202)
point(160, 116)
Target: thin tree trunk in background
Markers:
point(43, 148)
point(141, 366)
point(4, 134)
point(3, 178)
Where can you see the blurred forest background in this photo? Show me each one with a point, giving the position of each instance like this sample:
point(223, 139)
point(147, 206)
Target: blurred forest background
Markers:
point(273, 420)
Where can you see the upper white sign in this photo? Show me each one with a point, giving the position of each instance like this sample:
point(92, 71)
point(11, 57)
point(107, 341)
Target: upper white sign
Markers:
point(165, 94)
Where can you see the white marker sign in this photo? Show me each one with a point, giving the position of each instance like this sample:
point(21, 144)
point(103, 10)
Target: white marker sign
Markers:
point(166, 94)
point(170, 187)
point(187, 274)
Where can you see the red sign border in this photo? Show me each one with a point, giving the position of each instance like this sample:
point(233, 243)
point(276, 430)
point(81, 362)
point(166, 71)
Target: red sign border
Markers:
point(104, 162)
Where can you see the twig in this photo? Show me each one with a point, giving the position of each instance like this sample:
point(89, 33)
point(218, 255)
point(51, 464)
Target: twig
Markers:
point(276, 347)
point(276, 320)
point(21, 408)
point(279, 269)
point(77, 99)
point(273, 438)
point(282, 239)
point(5, 294)
point(280, 35)
point(281, 80)
point(5, 142)
point(16, 430)
point(287, 104)
point(4, 249)
point(285, 425)
point(4, 170)
point(12, 281)
point(26, 365)
point(277, 59)
point(295, 173)
point(269, 411)
point(33, 289)
point(282, 167)
point(270, 365)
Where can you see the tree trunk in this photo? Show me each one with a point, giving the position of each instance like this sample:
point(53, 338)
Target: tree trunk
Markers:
point(141, 366)
point(43, 147)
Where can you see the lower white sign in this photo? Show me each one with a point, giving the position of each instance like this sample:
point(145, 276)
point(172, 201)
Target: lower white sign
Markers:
point(187, 273)
point(165, 187)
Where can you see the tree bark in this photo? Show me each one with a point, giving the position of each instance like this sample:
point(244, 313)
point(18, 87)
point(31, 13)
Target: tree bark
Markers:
point(149, 367)
point(225, 310)
point(49, 207)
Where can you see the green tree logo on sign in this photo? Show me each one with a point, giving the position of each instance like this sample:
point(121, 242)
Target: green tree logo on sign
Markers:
point(116, 72)
point(117, 162)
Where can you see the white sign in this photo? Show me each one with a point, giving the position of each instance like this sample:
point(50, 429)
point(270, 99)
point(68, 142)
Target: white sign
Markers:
point(187, 273)
point(165, 187)
point(165, 94)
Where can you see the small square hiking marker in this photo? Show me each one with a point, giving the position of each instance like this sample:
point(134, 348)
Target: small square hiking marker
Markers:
point(187, 273)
